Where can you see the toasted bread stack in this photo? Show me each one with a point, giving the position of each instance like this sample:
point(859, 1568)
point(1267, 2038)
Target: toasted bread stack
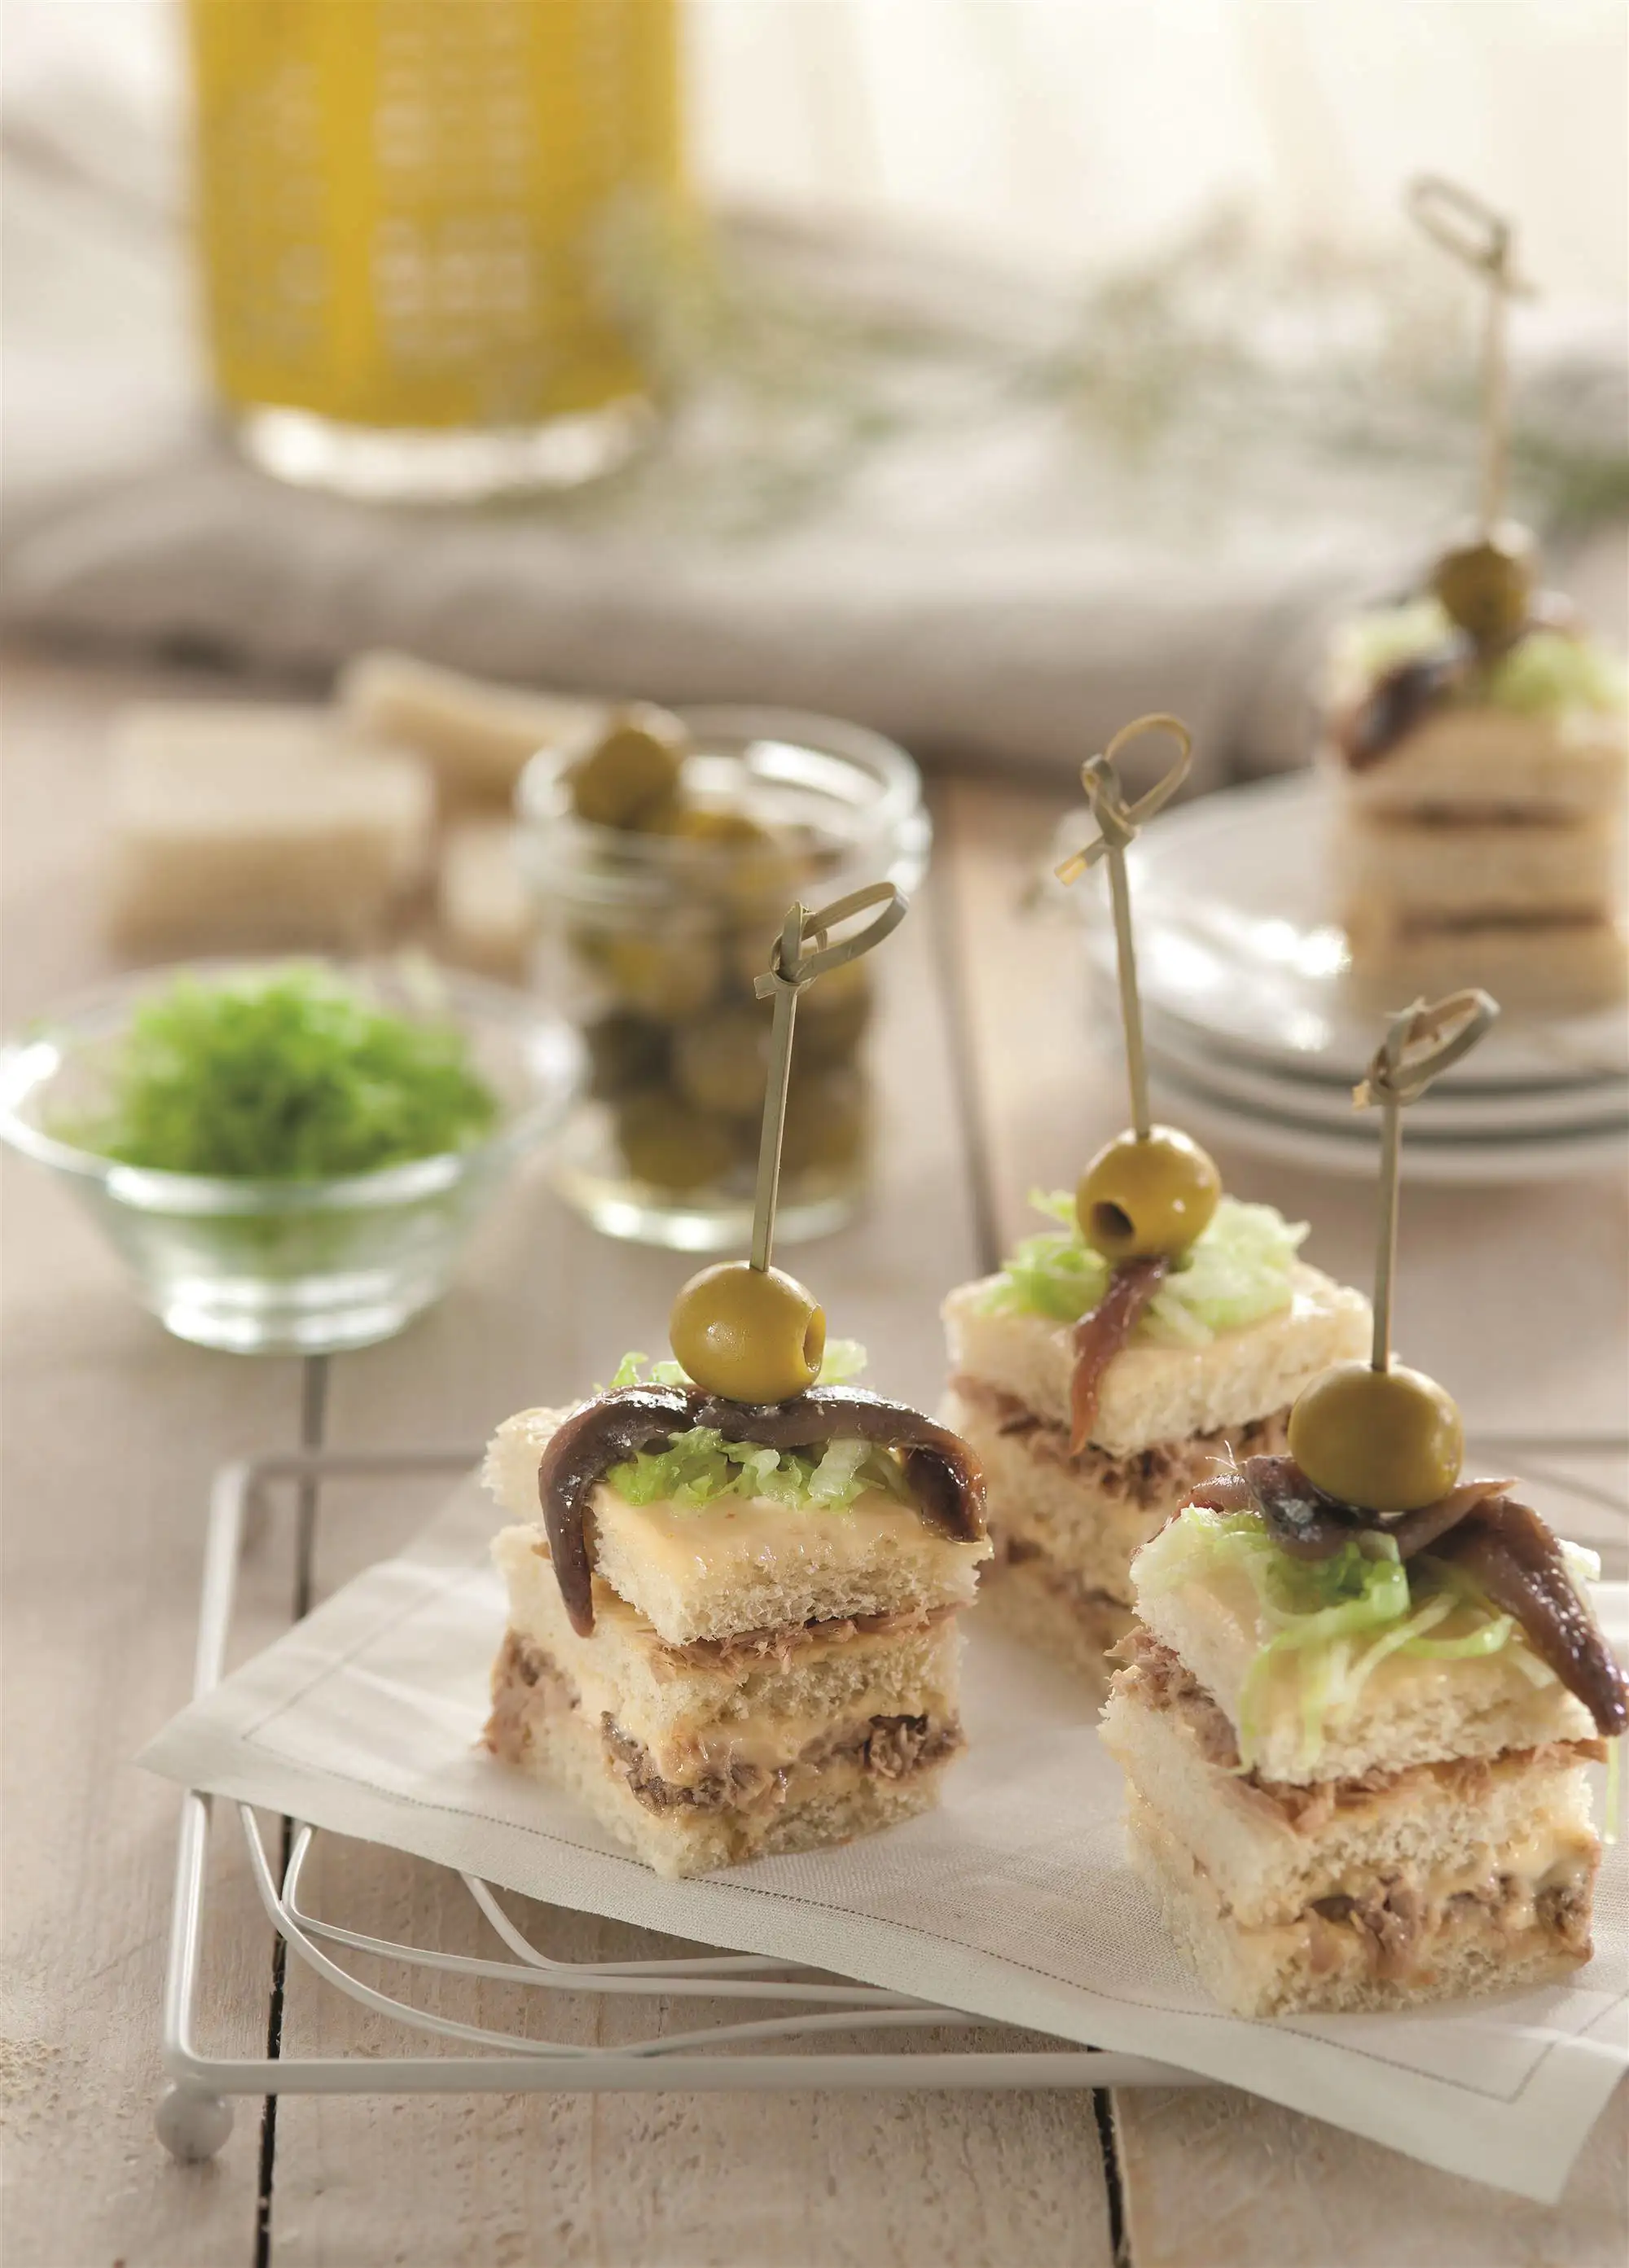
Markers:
point(759, 1678)
point(1066, 1525)
point(1426, 1837)
point(1476, 842)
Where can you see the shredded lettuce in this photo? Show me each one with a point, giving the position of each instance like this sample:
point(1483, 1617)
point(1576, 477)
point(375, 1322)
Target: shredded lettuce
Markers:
point(1543, 674)
point(1582, 1564)
point(1548, 671)
point(1389, 635)
point(845, 1360)
point(1336, 1619)
point(1238, 1272)
point(700, 1466)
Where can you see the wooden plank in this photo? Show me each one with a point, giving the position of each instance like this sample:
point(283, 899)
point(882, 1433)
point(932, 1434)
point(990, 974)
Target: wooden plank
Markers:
point(1215, 2179)
point(544, 1308)
point(1211, 2176)
point(111, 1432)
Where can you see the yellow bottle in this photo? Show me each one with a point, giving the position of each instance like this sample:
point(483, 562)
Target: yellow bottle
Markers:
point(406, 210)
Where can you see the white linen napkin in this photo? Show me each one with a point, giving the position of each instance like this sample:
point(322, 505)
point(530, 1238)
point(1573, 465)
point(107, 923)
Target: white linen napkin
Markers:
point(1012, 1902)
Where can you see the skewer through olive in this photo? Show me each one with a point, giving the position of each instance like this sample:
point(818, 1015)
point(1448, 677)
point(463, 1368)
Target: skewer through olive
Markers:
point(1390, 1441)
point(1148, 1195)
point(748, 1333)
point(1375, 1434)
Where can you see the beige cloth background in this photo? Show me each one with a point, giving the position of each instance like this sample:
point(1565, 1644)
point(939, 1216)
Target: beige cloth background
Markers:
point(985, 577)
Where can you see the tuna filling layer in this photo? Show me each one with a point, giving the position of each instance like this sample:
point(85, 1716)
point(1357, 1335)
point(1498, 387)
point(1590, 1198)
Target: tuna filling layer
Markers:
point(892, 1748)
point(1397, 1921)
point(1160, 1476)
point(885, 1747)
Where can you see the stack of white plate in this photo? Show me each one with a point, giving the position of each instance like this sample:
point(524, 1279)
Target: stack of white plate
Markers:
point(1255, 1035)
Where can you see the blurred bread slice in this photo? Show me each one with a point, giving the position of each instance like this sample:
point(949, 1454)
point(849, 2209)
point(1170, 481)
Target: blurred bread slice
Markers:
point(479, 736)
point(1437, 871)
point(1538, 961)
point(1471, 760)
point(485, 912)
point(238, 827)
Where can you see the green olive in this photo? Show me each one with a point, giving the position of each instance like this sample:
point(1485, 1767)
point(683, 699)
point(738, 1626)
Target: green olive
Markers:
point(666, 974)
point(1486, 587)
point(667, 1142)
point(760, 885)
point(624, 1052)
point(1389, 1440)
point(1149, 1195)
point(630, 775)
point(712, 824)
point(721, 1061)
point(828, 1120)
point(749, 1333)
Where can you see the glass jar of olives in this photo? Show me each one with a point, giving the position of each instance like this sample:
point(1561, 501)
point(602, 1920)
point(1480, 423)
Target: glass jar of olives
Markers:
point(663, 861)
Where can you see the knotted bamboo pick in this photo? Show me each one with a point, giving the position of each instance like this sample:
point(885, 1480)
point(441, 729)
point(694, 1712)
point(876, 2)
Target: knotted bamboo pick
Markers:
point(1420, 1043)
point(792, 967)
point(1117, 825)
point(1484, 240)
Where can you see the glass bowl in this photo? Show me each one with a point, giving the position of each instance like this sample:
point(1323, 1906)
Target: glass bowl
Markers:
point(285, 1267)
point(649, 943)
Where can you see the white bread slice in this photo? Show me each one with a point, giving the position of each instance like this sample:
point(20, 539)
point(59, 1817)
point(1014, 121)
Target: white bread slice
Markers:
point(478, 736)
point(1486, 759)
point(1048, 1610)
point(235, 826)
point(706, 1711)
point(741, 1565)
point(1320, 1965)
point(1409, 1712)
point(1269, 1853)
point(1444, 869)
point(541, 1727)
point(1089, 1514)
point(1153, 1394)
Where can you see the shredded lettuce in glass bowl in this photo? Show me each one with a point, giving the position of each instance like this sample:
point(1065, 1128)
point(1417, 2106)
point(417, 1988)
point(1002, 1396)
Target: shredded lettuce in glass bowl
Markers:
point(1543, 674)
point(1240, 1271)
point(287, 1156)
point(1333, 1622)
point(699, 1466)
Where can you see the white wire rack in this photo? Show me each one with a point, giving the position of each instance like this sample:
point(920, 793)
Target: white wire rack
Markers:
point(797, 2005)
point(778, 2001)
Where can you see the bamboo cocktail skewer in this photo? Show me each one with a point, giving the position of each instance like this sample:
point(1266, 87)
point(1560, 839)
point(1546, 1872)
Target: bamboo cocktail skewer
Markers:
point(1117, 825)
point(789, 969)
point(1482, 240)
point(1420, 1043)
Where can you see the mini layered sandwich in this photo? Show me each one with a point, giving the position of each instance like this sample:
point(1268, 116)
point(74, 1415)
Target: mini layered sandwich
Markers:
point(732, 1630)
point(1479, 739)
point(1356, 1708)
point(1098, 1378)
point(1355, 1747)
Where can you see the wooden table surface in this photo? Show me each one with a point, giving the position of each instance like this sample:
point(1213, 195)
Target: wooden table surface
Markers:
point(991, 1086)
